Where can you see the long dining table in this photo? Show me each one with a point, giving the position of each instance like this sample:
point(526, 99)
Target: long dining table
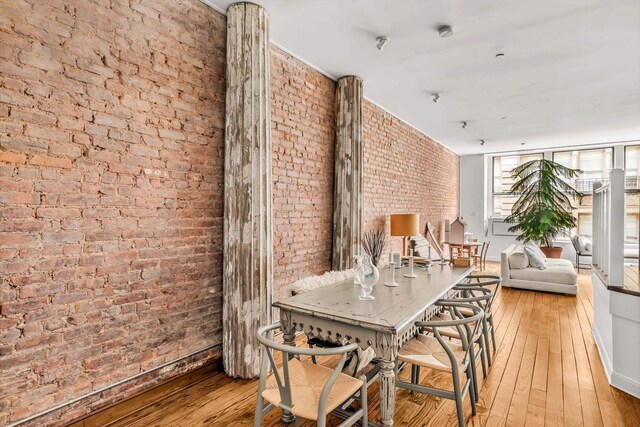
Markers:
point(335, 313)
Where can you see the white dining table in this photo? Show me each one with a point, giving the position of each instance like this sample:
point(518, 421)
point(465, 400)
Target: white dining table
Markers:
point(335, 313)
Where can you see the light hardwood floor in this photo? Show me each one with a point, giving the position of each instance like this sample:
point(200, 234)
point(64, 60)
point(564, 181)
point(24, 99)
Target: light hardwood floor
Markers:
point(546, 372)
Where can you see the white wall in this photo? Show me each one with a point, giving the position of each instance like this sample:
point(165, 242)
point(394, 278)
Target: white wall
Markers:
point(616, 329)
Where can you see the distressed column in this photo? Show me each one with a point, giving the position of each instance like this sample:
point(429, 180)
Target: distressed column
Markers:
point(248, 246)
point(347, 200)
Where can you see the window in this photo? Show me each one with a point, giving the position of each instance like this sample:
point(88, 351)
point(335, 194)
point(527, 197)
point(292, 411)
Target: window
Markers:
point(502, 181)
point(631, 166)
point(632, 217)
point(632, 196)
point(595, 166)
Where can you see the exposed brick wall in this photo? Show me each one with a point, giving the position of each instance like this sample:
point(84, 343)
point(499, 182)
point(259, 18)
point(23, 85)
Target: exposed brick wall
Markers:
point(405, 172)
point(111, 157)
point(111, 181)
point(303, 139)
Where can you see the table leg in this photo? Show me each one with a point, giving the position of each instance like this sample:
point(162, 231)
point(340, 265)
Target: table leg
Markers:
point(289, 338)
point(387, 392)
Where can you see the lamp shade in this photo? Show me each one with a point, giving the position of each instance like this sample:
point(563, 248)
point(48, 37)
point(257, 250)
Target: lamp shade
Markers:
point(405, 224)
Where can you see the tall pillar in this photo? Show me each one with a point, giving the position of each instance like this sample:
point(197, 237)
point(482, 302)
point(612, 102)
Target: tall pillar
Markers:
point(347, 200)
point(248, 244)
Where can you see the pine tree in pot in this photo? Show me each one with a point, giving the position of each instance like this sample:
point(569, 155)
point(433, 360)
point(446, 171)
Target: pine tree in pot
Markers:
point(543, 210)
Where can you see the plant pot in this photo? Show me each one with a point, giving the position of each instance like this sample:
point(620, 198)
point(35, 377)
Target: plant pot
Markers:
point(551, 252)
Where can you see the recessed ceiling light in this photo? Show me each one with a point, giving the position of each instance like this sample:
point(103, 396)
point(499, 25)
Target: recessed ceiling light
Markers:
point(522, 143)
point(445, 30)
point(499, 55)
point(503, 117)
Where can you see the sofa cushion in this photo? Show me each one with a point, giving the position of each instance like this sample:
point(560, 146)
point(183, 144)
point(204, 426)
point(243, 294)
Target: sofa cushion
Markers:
point(535, 260)
point(518, 258)
point(557, 271)
point(536, 249)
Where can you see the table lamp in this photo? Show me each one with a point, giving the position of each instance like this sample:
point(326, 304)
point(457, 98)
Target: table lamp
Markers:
point(405, 225)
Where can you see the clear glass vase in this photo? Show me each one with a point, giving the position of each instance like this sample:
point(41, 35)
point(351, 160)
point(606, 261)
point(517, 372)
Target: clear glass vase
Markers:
point(368, 275)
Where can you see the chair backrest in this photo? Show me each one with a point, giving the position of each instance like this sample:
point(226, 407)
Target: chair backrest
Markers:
point(460, 322)
point(288, 352)
point(485, 250)
point(482, 297)
point(483, 281)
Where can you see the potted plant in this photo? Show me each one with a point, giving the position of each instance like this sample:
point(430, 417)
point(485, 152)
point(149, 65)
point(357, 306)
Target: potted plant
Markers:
point(543, 209)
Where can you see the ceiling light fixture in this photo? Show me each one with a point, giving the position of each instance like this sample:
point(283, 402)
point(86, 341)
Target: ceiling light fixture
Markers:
point(464, 125)
point(436, 96)
point(499, 55)
point(482, 142)
point(445, 31)
point(382, 40)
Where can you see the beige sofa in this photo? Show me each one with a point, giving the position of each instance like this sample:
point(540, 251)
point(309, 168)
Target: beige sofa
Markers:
point(559, 276)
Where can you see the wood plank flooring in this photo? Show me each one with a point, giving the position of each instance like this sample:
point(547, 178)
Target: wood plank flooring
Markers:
point(546, 372)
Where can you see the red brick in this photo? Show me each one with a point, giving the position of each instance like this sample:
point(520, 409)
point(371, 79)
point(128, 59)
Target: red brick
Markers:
point(48, 161)
point(9, 157)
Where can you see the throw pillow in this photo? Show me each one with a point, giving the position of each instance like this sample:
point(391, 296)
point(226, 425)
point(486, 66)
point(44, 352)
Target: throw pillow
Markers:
point(535, 260)
point(588, 244)
point(518, 259)
point(536, 249)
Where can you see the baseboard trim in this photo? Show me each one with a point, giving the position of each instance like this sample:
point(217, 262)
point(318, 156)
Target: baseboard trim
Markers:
point(142, 399)
point(626, 384)
point(604, 357)
point(191, 361)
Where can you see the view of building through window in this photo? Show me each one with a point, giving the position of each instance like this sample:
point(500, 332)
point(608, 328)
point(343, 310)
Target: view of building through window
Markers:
point(502, 181)
point(595, 166)
point(632, 174)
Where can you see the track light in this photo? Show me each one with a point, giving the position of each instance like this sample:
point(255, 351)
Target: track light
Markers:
point(436, 96)
point(464, 125)
point(445, 31)
point(382, 40)
point(482, 142)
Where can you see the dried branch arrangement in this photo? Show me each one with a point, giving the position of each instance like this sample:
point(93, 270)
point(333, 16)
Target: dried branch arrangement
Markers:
point(373, 242)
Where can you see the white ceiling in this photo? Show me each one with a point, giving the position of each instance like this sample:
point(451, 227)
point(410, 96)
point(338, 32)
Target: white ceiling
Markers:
point(570, 74)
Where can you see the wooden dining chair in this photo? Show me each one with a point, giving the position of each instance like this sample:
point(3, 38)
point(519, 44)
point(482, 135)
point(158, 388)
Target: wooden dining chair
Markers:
point(305, 389)
point(480, 259)
point(481, 297)
point(486, 281)
point(435, 352)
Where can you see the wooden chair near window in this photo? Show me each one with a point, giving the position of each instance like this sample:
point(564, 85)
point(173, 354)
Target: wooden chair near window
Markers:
point(480, 259)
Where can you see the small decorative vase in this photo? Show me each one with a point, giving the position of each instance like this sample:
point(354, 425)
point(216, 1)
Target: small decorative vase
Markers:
point(369, 276)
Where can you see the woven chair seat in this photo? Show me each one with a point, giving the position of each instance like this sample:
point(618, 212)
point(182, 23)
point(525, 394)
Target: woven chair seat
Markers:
point(428, 352)
point(307, 381)
point(449, 331)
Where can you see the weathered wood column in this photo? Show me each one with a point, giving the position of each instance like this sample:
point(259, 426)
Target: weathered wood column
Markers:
point(248, 245)
point(347, 200)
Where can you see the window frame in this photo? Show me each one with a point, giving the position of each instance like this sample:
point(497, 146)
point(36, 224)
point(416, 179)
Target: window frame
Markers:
point(502, 193)
point(612, 148)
